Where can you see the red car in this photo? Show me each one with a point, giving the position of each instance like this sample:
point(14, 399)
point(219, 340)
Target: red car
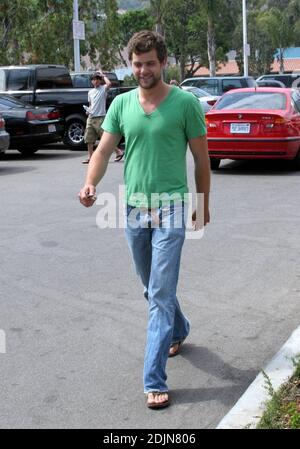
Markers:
point(255, 123)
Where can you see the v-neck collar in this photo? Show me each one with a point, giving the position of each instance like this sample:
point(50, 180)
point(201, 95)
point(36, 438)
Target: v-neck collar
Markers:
point(148, 114)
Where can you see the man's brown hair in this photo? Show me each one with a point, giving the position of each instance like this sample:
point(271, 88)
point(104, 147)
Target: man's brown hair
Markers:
point(145, 41)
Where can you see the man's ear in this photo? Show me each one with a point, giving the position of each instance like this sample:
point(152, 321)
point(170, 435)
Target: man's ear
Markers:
point(164, 62)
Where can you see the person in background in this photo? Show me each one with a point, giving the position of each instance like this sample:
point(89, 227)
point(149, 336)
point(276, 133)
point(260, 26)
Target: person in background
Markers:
point(96, 114)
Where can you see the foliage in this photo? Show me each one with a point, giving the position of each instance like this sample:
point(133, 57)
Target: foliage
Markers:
point(103, 34)
point(278, 25)
point(198, 32)
point(159, 10)
point(44, 31)
point(283, 409)
point(172, 73)
point(182, 40)
point(27, 28)
point(262, 51)
point(129, 80)
point(133, 21)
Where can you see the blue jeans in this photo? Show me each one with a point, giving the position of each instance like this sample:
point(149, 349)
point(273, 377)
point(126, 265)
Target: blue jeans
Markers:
point(155, 241)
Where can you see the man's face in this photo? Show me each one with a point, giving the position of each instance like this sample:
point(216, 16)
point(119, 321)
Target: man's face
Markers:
point(96, 82)
point(147, 69)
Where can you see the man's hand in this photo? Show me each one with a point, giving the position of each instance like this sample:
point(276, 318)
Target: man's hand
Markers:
point(97, 167)
point(87, 195)
point(198, 223)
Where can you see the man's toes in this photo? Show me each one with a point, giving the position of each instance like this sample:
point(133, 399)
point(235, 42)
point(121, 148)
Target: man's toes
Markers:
point(174, 349)
point(163, 397)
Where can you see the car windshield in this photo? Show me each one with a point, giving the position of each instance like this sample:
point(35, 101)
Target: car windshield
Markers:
point(252, 101)
point(9, 103)
point(197, 92)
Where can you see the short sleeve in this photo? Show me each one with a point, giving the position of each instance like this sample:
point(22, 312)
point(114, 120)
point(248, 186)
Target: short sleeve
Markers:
point(195, 125)
point(111, 123)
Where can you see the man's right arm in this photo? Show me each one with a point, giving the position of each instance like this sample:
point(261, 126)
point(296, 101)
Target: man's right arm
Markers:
point(107, 82)
point(97, 167)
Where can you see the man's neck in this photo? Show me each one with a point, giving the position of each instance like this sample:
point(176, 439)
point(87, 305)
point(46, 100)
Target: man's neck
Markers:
point(155, 93)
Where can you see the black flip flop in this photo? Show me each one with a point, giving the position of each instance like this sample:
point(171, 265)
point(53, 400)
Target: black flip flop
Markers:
point(118, 158)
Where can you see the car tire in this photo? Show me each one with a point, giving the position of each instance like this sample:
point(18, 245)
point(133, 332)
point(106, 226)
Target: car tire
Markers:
point(27, 151)
point(74, 133)
point(214, 163)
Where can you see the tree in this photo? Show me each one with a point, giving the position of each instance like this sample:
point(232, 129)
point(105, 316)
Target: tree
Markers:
point(159, 11)
point(49, 37)
point(103, 32)
point(277, 24)
point(211, 8)
point(40, 31)
point(182, 39)
point(131, 22)
point(262, 50)
point(16, 19)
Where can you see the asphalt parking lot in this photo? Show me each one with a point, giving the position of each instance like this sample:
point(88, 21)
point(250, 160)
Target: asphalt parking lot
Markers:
point(73, 312)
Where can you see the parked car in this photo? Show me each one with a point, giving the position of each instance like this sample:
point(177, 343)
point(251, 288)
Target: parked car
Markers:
point(218, 85)
point(289, 80)
point(4, 136)
point(269, 83)
point(207, 101)
point(83, 79)
point(30, 127)
point(49, 86)
point(259, 123)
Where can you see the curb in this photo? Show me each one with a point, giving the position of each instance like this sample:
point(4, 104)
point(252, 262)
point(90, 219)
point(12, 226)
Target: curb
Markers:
point(247, 412)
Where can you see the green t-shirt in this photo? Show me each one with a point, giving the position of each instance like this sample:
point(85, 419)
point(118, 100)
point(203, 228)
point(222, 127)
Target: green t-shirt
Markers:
point(156, 144)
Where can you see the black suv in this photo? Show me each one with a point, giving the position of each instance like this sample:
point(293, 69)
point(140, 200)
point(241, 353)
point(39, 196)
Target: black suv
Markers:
point(218, 85)
point(289, 80)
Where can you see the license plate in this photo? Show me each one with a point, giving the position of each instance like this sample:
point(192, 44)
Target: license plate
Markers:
point(51, 128)
point(240, 128)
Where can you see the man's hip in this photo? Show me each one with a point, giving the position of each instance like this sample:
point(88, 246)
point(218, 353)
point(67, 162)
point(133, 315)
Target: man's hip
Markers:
point(93, 129)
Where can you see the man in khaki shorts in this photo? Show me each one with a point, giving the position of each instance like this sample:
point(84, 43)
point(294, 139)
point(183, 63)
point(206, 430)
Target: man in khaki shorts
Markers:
point(96, 112)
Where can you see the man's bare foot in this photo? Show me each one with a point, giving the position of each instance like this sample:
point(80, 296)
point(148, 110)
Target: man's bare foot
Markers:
point(157, 400)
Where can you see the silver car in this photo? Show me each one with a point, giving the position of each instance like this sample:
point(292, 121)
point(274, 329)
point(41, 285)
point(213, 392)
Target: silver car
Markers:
point(207, 100)
point(4, 136)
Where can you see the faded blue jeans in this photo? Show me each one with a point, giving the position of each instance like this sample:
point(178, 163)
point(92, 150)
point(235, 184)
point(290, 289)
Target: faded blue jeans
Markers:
point(155, 240)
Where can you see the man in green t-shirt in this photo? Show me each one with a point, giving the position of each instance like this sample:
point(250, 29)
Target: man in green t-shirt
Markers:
point(157, 121)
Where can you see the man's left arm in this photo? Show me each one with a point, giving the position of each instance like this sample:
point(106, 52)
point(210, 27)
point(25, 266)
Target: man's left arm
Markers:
point(199, 149)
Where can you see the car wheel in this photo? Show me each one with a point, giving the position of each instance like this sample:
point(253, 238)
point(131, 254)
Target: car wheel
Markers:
point(74, 134)
point(27, 151)
point(214, 163)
